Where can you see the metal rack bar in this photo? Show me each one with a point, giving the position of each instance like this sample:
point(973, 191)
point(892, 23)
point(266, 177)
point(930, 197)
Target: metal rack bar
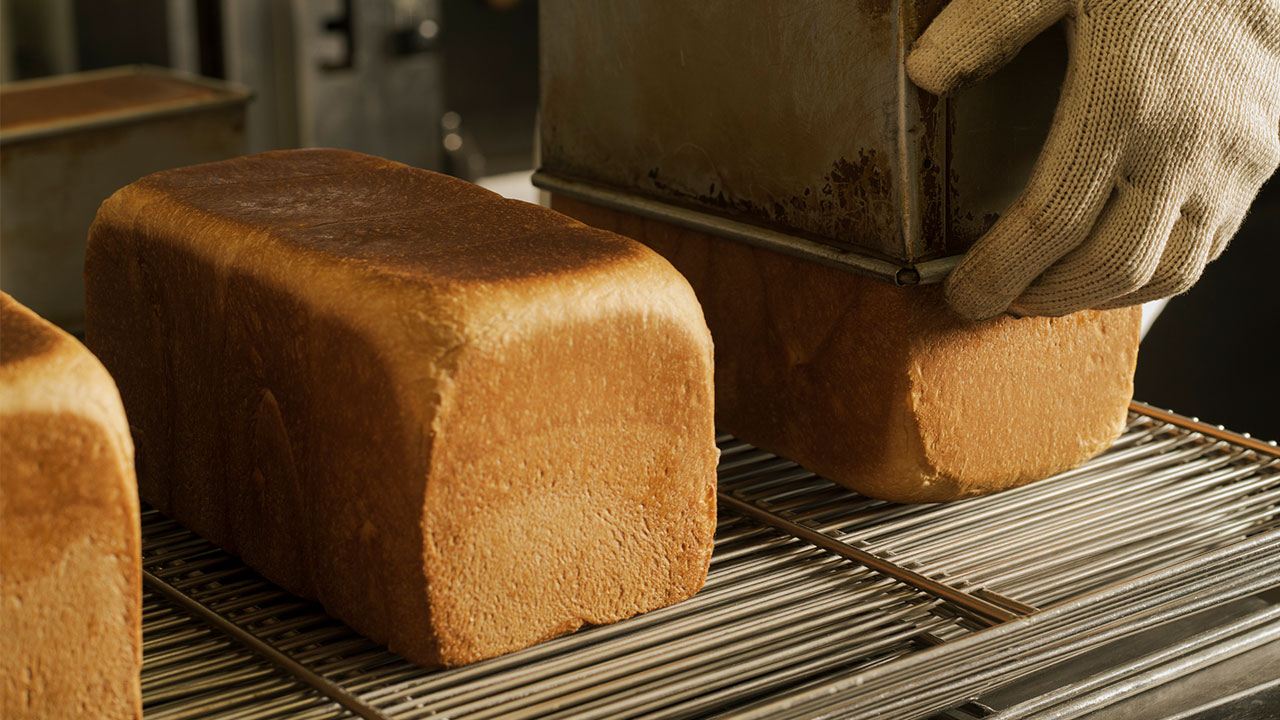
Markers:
point(989, 612)
point(232, 630)
point(819, 602)
point(1151, 670)
point(1268, 447)
point(930, 679)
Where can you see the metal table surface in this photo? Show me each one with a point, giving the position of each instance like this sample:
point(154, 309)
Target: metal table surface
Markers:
point(819, 603)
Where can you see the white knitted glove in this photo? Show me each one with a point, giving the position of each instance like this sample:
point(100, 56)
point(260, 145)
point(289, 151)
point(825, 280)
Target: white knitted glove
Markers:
point(1167, 126)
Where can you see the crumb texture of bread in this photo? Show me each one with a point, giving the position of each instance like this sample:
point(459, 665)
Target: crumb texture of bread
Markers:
point(464, 424)
point(70, 562)
point(885, 390)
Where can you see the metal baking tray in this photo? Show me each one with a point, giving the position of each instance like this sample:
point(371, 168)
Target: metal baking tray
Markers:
point(68, 142)
point(819, 603)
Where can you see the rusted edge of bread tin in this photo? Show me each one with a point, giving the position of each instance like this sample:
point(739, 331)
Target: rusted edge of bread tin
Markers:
point(929, 271)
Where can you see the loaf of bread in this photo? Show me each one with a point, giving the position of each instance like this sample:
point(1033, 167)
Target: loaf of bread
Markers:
point(70, 564)
point(883, 389)
point(464, 424)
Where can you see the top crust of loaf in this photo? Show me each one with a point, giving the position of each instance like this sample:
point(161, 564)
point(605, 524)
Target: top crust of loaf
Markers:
point(335, 228)
point(43, 369)
point(385, 218)
point(26, 337)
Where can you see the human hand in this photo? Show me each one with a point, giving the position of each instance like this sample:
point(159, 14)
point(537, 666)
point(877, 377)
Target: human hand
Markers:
point(1167, 126)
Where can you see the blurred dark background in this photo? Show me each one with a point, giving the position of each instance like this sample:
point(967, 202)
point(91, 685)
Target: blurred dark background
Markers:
point(448, 85)
point(1213, 352)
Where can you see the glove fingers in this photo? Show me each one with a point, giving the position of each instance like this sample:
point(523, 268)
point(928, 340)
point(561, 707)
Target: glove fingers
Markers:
point(1185, 256)
point(1050, 218)
point(1120, 255)
point(970, 39)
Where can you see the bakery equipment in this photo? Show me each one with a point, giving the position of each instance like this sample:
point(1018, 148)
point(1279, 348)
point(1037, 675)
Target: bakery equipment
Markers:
point(68, 142)
point(816, 144)
point(820, 603)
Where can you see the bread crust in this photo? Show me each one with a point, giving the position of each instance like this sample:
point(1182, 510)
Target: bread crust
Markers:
point(385, 389)
point(884, 389)
point(70, 564)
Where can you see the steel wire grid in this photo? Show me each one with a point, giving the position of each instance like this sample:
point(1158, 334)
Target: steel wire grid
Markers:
point(819, 603)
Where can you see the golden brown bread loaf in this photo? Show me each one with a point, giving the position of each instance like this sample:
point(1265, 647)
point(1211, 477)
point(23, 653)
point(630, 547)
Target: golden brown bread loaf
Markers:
point(883, 389)
point(70, 565)
point(464, 424)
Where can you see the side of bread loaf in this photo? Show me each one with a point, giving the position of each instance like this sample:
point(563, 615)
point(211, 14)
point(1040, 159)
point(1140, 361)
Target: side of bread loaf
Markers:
point(464, 424)
point(579, 454)
point(883, 389)
point(70, 567)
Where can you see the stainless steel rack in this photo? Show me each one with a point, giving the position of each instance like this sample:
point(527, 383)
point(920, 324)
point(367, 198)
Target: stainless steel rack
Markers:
point(820, 602)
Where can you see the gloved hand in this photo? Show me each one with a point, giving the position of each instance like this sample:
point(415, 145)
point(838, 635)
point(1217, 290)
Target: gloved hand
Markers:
point(1167, 126)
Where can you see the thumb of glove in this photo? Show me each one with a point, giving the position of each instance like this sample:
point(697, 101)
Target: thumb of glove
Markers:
point(970, 39)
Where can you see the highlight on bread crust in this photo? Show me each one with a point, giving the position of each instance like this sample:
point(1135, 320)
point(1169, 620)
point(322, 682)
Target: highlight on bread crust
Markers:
point(464, 424)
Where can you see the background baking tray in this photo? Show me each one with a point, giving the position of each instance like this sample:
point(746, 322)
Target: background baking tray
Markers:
point(820, 603)
point(68, 142)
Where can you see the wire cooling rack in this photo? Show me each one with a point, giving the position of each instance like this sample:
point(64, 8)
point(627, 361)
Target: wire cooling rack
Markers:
point(819, 603)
